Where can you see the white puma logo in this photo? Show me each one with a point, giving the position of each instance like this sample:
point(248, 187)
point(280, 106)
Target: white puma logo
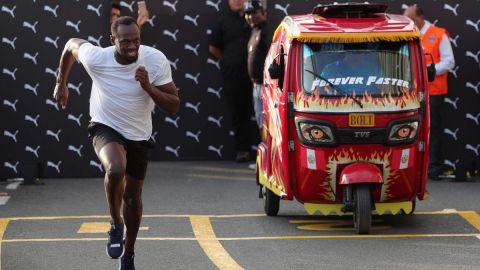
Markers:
point(11, 166)
point(31, 57)
point(13, 105)
point(52, 10)
point(173, 35)
point(215, 92)
point(73, 25)
point(193, 107)
point(174, 122)
point(474, 56)
point(451, 133)
point(473, 148)
point(454, 40)
point(452, 102)
point(213, 62)
point(9, 10)
point(452, 9)
point(75, 87)
point(11, 73)
point(53, 134)
point(96, 164)
point(216, 121)
point(215, 5)
point(171, 5)
point(53, 165)
point(10, 42)
point(11, 135)
point(281, 8)
point(216, 150)
point(191, 19)
point(94, 9)
point(51, 102)
point(194, 135)
point(51, 71)
point(95, 40)
point(474, 87)
point(173, 150)
point(191, 48)
point(191, 77)
point(474, 118)
point(150, 21)
point(471, 23)
point(31, 88)
point(31, 26)
point(34, 151)
point(31, 119)
point(153, 136)
point(76, 119)
point(174, 63)
point(124, 4)
point(451, 164)
point(53, 41)
point(76, 150)
point(454, 71)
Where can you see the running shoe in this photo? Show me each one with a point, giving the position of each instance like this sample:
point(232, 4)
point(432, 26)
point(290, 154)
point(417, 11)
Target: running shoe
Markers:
point(115, 241)
point(127, 262)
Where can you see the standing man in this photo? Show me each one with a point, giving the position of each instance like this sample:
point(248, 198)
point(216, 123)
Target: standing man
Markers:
point(257, 48)
point(143, 15)
point(128, 80)
point(228, 44)
point(435, 41)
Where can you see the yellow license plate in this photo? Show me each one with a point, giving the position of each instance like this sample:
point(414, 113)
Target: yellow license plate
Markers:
point(361, 120)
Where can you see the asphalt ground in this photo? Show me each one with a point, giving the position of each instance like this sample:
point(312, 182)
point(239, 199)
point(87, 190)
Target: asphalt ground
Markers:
point(207, 215)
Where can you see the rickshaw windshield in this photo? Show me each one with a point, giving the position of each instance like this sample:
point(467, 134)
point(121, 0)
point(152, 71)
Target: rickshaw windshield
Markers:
point(376, 68)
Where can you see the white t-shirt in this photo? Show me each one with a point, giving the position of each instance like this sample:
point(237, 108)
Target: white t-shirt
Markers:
point(117, 99)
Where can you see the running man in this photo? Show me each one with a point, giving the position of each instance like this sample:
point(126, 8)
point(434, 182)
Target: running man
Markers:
point(128, 80)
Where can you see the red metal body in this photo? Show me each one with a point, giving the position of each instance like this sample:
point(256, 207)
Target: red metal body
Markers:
point(317, 174)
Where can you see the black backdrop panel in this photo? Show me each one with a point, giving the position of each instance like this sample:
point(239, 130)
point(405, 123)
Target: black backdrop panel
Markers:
point(35, 131)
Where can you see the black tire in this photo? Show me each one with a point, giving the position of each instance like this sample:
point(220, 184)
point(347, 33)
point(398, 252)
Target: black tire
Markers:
point(362, 214)
point(271, 202)
point(414, 203)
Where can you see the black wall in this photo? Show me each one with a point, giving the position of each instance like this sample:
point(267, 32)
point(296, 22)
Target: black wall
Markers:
point(17, 158)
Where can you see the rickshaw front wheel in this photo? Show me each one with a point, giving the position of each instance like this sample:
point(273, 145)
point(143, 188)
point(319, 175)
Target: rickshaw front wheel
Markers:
point(362, 214)
point(271, 202)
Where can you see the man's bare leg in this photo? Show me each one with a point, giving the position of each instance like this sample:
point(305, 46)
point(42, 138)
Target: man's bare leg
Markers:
point(132, 210)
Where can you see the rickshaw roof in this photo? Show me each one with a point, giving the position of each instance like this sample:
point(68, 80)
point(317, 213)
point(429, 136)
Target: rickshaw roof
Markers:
point(335, 24)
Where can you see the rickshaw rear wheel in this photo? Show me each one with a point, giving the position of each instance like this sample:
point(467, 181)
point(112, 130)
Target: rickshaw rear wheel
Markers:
point(362, 214)
point(271, 202)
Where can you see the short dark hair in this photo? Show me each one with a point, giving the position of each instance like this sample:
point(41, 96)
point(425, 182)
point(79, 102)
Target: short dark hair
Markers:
point(116, 5)
point(124, 20)
point(418, 11)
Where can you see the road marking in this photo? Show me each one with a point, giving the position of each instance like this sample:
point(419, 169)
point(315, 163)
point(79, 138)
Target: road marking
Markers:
point(471, 217)
point(202, 228)
point(226, 170)
point(14, 185)
point(219, 177)
point(3, 227)
point(99, 227)
point(4, 199)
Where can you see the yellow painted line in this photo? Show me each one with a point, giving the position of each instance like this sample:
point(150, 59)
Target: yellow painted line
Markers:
point(99, 227)
point(202, 228)
point(219, 177)
point(3, 227)
point(290, 237)
point(144, 216)
point(216, 169)
point(471, 217)
point(39, 240)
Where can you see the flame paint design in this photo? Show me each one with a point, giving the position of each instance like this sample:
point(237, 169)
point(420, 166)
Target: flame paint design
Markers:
point(346, 156)
point(406, 100)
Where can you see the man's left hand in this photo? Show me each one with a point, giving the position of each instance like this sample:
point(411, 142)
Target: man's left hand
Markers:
point(141, 75)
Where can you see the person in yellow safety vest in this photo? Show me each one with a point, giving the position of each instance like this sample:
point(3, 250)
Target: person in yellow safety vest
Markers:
point(435, 41)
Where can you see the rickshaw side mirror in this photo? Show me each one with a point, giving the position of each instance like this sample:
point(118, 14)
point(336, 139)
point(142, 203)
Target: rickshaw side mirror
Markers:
point(431, 71)
point(274, 70)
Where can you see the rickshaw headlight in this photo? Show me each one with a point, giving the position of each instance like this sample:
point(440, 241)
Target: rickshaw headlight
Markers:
point(403, 132)
point(316, 133)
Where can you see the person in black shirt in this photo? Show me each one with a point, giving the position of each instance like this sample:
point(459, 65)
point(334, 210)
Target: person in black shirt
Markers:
point(257, 48)
point(228, 43)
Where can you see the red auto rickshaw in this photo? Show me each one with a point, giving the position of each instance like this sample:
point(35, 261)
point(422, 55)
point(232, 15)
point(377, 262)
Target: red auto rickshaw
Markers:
point(346, 114)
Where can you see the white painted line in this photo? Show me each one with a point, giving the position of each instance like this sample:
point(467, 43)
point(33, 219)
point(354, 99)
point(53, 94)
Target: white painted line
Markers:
point(14, 185)
point(478, 236)
point(4, 200)
point(449, 210)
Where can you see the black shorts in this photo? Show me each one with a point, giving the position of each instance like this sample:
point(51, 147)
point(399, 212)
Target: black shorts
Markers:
point(137, 151)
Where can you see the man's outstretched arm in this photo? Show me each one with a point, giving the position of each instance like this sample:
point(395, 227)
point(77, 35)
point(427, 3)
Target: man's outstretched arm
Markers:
point(69, 55)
